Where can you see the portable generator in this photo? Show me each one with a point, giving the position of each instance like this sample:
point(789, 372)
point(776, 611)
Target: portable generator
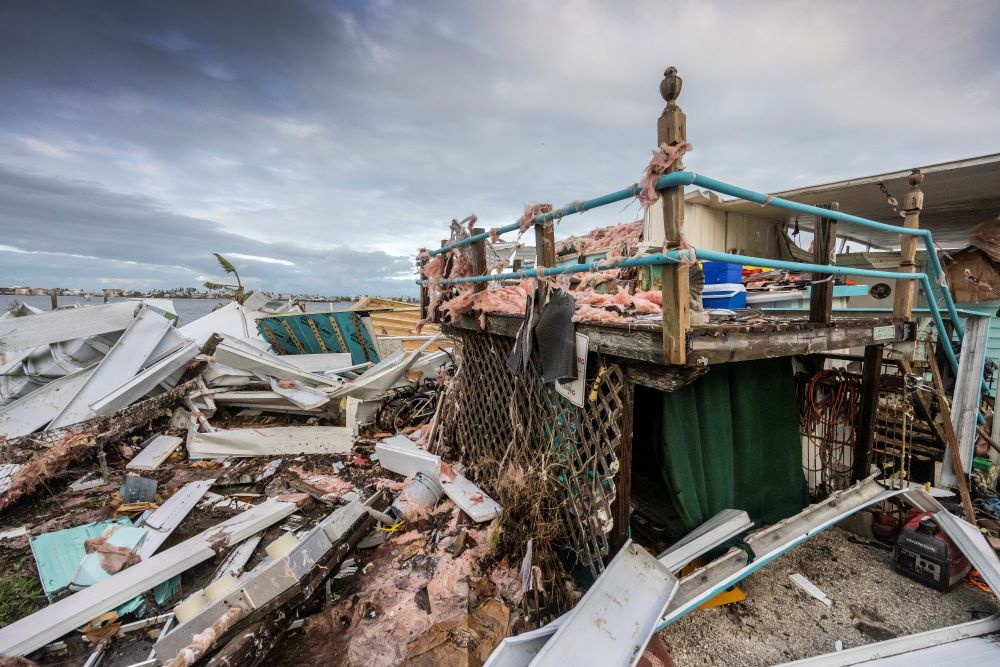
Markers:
point(925, 553)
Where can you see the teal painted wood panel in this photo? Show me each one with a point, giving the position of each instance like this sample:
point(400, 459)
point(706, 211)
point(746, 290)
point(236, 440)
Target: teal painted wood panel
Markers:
point(318, 333)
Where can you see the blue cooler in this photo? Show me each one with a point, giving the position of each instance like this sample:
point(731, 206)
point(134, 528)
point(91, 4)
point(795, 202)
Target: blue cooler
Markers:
point(724, 295)
point(717, 273)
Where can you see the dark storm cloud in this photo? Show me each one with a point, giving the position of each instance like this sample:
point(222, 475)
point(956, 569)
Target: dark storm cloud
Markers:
point(300, 129)
point(87, 236)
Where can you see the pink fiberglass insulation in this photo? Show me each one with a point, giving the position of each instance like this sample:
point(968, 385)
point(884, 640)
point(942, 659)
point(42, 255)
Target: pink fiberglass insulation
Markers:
point(374, 626)
point(656, 296)
point(510, 300)
point(660, 164)
point(617, 240)
point(592, 315)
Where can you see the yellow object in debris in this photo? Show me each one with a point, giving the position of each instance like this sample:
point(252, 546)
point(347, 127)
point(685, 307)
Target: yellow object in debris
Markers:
point(735, 594)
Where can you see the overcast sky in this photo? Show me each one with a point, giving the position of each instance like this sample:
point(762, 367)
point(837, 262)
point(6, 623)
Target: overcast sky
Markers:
point(319, 144)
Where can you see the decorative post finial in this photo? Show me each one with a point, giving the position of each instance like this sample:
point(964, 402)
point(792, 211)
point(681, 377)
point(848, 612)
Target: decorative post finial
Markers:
point(670, 87)
point(916, 178)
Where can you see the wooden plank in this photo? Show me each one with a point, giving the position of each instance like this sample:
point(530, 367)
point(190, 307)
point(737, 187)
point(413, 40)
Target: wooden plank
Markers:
point(662, 378)
point(949, 432)
point(645, 344)
point(871, 380)
point(824, 247)
point(966, 395)
point(479, 257)
point(676, 295)
point(902, 305)
point(156, 451)
point(621, 508)
point(545, 244)
point(706, 350)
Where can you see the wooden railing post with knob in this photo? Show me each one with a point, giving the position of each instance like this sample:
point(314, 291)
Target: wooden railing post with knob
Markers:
point(913, 202)
point(672, 130)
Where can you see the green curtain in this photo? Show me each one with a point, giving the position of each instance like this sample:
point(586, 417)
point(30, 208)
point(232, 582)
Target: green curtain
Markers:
point(731, 440)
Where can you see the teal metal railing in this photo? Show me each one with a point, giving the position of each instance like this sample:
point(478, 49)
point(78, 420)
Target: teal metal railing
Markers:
point(681, 178)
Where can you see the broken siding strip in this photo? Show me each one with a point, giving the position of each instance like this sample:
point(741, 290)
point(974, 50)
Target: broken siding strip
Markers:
point(156, 451)
point(718, 530)
point(120, 365)
point(162, 522)
point(616, 617)
point(899, 646)
point(268, 580)
point(60, 325)
point(143, 383)
point(232, 352)
point(469, 497)
point(44, 626)
point(270, 441)
point(238, 557)
point(30, 413)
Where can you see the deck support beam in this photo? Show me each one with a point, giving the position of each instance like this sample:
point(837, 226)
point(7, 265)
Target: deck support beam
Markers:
point(871, 380)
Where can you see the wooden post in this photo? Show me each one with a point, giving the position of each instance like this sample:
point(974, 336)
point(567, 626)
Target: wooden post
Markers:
point(479, 259)
point(425, 293)
point(54, 298)
point(621, 508)
point(671, 129)
point(871, 379)
point(545, 244)
point(952, 444)
point(902, 306)
point(824, 244)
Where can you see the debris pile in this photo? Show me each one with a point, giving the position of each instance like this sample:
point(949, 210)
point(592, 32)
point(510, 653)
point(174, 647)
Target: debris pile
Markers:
point(190, 488)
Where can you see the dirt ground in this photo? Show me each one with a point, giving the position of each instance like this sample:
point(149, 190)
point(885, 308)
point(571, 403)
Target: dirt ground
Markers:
point(778, 622)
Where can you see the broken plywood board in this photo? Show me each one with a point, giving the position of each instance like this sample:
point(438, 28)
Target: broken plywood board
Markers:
point(17, 333)
point(120, 365)
point(270, 441)
point(30, 413)
point(49, 624)
point(156, 450)
point(616, 617)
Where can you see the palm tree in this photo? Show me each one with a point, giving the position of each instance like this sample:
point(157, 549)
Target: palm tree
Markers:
point(235, 291)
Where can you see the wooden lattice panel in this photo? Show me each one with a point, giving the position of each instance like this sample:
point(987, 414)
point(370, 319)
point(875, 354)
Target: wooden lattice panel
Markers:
point(494, 419)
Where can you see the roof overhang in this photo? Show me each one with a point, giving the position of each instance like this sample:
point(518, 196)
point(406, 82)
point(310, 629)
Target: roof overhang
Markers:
point(957, 195)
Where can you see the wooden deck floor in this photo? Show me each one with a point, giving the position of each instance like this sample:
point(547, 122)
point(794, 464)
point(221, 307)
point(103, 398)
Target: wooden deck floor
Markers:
point(725, 340)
